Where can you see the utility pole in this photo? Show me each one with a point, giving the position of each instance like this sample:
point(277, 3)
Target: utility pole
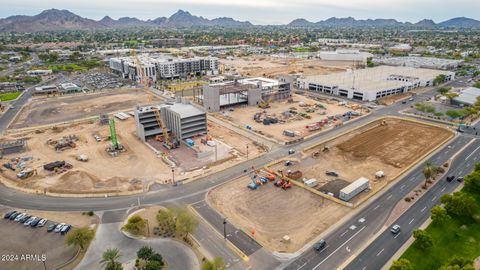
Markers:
point(225, 228)
point(173, 176)
point(44, 266)
point(247, 150)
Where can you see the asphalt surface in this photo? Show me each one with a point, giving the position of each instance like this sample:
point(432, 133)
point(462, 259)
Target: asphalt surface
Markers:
point(351, 235)
point(341, 243)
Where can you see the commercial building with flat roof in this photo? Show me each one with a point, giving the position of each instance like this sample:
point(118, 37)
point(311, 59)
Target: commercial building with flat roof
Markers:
point(467, 97)
point(250, 91)
point(345, 55)
point(182, 119)
point(161, 66)
point(372, 83)
point(419, 62)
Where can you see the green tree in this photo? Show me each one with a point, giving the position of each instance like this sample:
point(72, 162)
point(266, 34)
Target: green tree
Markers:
point(401, 264)
point(166, 218)
point(429, 171)
point(439, 79)
point(476, 84)
point(114, 266)
point(451, 96)
point(110, 256)
point(472, 181)
point(453, 114)
point(135, 225)
point(459, 203)
point(185, 221)
point(145, 253)
point(457, 263)
point(422, 239)
point(443, 90)
point(80, 237)
point(216, 264)
point(153, 265)
point(157, 257)
point(439, 215)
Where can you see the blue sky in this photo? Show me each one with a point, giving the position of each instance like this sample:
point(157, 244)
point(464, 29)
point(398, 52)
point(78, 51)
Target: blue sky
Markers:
point(255, 11)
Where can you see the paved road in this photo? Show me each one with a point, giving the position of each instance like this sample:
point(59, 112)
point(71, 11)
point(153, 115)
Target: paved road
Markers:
point(177, 255)
point(344, 241)
point(195, 192)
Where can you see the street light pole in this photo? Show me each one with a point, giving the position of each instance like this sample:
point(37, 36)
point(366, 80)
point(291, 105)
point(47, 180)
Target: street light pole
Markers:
point(247, 150)
point(225, 229)
point(44, 266)
point(173, 176)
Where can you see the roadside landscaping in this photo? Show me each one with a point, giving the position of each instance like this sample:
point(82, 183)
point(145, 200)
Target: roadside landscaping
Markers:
point(452, 240)
point(9, 96)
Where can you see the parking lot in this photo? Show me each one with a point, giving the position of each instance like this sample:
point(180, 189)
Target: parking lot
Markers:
point(24, 247)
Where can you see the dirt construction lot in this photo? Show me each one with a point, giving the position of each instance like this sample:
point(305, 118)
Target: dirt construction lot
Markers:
point(243, 116)
point(101, 173)
point(273, 66)
point(390, 148)
point(274, 213)
point(43, 111)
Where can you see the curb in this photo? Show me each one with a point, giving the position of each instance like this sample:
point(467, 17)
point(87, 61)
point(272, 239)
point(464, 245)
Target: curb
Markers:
point(227, 242)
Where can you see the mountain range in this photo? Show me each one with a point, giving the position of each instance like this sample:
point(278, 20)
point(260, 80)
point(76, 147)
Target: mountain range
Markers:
point(57, 20)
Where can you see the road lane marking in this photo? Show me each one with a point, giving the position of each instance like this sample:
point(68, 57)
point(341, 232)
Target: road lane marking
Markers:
point(376, 207)
point(378, 254)
point(402, 187)
point(443, 189)
point(389, 196)
point(345, 232)
point(339, 248)
point(361, 220)
point(423, 209)
point(353, 227)
point(434, 197)
point(397, 235)
point(364, 268)
point(472, 153)
point(411, 221)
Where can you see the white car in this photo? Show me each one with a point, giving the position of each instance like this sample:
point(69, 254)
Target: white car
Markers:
point(17, 219)
point(59, 227)
point(42, 222)
point(30, 220)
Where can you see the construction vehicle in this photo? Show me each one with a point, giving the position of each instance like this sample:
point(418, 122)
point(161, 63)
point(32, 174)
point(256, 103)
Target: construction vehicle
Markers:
point(113, 135)
point(284, 183)
point(166, 138)
point(265, 104)
point(294, 174)
point(26, 173)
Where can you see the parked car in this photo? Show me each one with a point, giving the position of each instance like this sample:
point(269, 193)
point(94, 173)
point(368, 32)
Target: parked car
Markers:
point(59, 227)
point(291, 151)
point(52, 227)
point(450, 178)
point(42, 222)
point(460, 179)
point(17, 218)
point(320, 245)
point(30, 220)
point(24, 218)
point(331, 173)
point(35, 222)
point(395, 229)
point(14, 215)
point(9, 213)
point(65, 229)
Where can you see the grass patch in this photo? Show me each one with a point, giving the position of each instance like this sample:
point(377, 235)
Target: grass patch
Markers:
point(459, 236)
point(9, 96)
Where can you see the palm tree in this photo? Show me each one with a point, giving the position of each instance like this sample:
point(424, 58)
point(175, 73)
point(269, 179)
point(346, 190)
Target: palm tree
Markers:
point(110, 256)
point(428, 171)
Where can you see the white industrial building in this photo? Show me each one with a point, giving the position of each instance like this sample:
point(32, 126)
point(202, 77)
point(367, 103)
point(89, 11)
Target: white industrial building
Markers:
point(372, 83)
point(467, 97)
point(420, 62)
point(345, 55)
point(162, 66)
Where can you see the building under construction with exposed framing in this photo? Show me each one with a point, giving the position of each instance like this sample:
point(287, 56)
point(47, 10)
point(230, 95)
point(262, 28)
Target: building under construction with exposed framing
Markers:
point(251, 91)
point(181, 120)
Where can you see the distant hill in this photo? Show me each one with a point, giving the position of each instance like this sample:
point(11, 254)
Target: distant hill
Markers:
point(56, 20)
point(461, 22)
